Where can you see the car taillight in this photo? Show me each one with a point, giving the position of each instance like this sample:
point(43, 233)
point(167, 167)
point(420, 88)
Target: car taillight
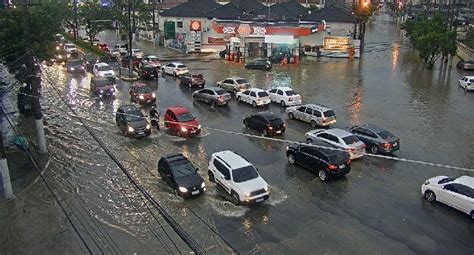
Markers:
point(269, 127)
point(220, 98)
point(350, 149)
point(332, 167)
point(324, 119)
point(387, 145)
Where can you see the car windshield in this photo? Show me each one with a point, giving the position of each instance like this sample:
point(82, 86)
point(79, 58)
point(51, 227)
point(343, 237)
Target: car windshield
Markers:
point(185, 117)
point(181, 66)
point(350, 139)
point(329, 113)
point(385, 134)
point(133, 116)
point(101, 83)
point(244, 174)
point(220, 91)
point(241, 81)
point(75, 62)
point(153, 58)
point(144, 90)
point(275, 122)
point(90, 57)
point(70, 46)
point(262, 94)
point(183, 170)
point(338, 158)
point(291, 93)
point(104, 68)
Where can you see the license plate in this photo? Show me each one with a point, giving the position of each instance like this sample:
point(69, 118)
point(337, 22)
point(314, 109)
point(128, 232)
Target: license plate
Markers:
point(141, 133)
point(259, 200)
point(342, 166)
point(279, 132)
point(195, 192)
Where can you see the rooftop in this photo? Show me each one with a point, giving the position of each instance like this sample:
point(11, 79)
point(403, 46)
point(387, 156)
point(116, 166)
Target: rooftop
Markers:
point(191, 8)
point(330, 14)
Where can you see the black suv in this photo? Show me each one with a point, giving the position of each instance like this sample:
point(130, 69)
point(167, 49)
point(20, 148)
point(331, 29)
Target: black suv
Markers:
point(266, 123)
point(180, 174)
point(319, 157)
point(131, 121)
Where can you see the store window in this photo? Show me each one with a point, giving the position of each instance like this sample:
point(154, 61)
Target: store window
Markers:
point(179, 24)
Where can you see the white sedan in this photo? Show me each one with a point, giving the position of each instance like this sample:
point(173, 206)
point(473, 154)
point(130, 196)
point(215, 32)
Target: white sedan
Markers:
point(340, 138)
point(467, 82)
point(103, 70)
point(255, 97)
point(457, 193)
point(70, 48)
point(174, 69)
point(285, 96)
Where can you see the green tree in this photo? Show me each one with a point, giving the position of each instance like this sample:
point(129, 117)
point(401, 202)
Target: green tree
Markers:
point(94, 19)
point(432, 38)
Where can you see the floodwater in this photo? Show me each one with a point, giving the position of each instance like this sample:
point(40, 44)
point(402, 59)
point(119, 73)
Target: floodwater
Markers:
point(376, 209)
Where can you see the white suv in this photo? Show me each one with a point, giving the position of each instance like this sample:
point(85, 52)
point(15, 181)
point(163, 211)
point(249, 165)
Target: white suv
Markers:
point(285, 96)
point(238, 177)
point(255, 97)
point(316, 114)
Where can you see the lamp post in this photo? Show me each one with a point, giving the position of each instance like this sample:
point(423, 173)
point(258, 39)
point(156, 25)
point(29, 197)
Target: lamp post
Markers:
point(130, 64)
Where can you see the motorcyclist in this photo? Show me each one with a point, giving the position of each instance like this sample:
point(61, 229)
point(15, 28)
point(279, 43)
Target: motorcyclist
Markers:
point(155, 117)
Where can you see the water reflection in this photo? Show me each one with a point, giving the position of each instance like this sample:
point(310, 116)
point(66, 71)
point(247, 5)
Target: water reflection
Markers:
point(395, 53)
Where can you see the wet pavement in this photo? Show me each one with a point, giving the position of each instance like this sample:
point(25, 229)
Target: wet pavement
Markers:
point(377, 208)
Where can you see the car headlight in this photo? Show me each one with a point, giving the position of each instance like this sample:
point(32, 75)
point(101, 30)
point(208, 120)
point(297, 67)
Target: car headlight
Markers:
point(141, 97)
point(101, 91)
point(57, 47)
point(199, 126)
point(266, 189)
point(82, 67)
point(60, 56)
point(130, 129)
point(203, 185)
point(72, 68)
point(184, 129)
point(148, 126)
point(247, 194)
point(153, 95)
point(183, 189)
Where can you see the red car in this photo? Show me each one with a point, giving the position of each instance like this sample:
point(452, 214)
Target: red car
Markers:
point(142, 94)
point(181, 122)
point(104, 47)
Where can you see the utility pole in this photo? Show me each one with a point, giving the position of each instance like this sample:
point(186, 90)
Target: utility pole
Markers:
point(33, 80)
point(76, 26)
point(130, 64)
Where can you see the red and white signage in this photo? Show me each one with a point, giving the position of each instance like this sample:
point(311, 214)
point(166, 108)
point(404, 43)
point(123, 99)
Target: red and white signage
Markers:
point(195, 25)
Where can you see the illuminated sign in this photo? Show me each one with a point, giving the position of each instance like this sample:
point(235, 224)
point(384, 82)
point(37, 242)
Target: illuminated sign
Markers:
point(336, 43)
point(283, 39)
point(195, 25)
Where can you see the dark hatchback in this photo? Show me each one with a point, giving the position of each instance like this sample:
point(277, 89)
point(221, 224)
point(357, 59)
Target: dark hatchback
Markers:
point(180, 174)
point(103, 87)
point(131, 121)
point(149, 72)
point(266, 123)
point(319, 158)
point(377, 139)
point(75, 66)
point(260, 64)
point(192, 80)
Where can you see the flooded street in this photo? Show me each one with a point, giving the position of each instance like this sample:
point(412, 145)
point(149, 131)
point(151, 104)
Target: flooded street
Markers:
point(376, 209)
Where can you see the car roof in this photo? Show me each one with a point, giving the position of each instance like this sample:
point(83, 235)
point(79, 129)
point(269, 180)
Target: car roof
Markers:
point(317, 107)
point(283, 88)
point(256, 90)
point(327, 151)
point(267, 115)
point(466, 180)
point(102, 64)
point(338, 132)
point(236, 78)
point(231, 159)
point(177, 63)
point(214, 88)
point(175, 157)
point(139, 84)
point(469, 77)
point(69, 44)
point(151, 56)
point(178, 109)
point(372, 127)
point(129, 108)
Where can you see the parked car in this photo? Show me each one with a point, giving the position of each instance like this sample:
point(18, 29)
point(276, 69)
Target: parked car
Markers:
point(75, 66)
point(181, 121)
point(174, 69)
point(234, 84)
point(466, 65)
point(137, 53)
point(102, 69)
point(125, 61)
point(180, 174)
point(266, 123)
point(192, 80)
point(238, 177)
point(90, 60)
point(132, 122)
point(102, 87)
point(151, 60)
point(122, 48)
point(104, 47)
point(142, 94)
point(319, 158)
point(260, 64)
point(255, 97)
point(114, 53)
point(457, 193)
point(284, 96)
point(148, 72)
point(467, 82)
point(70, 48)
point(376, 139)
point(339, 138)
point(316, 114)
point(213, 96)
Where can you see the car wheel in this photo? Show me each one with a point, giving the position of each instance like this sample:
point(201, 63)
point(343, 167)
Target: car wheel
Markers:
point(313, 123)
point(265, 133)
point(211, 176)
point(254, 104)
point(322, 175)
point(235, 199)
point(291, 159)
point(374, 149)
point(163, 72)
point(190, 85)
point(213, 103)
point(174, 74)
point(291, 116)
point(282, 103)
point(430, 196)
point(246, 124)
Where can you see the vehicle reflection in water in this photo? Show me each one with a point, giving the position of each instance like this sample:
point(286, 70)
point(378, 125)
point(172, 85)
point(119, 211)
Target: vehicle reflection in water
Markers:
point(356, 105)
point(280, 79)
point(72, 93)
point(395, 53)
